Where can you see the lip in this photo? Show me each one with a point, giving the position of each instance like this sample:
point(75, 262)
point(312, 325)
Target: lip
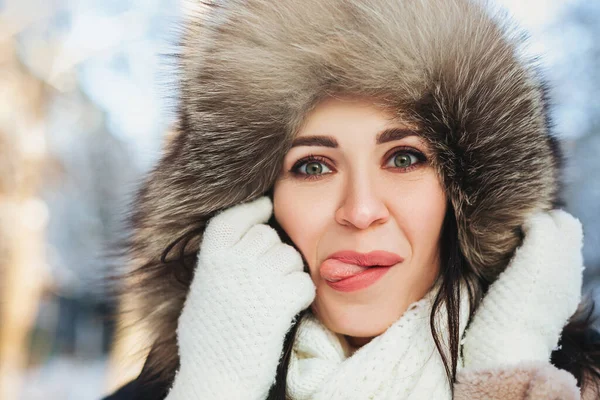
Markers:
point(348, 271)
point(377, 257)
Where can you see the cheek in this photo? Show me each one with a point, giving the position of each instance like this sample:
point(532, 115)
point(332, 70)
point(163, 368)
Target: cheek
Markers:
point(419, 205)
point(297, 212)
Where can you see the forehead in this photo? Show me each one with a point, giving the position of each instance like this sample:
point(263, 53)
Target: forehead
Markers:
point(335, 121)
point(343, 113)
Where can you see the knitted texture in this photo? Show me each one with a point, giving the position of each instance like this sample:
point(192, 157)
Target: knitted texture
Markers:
point(522, 315)
point(401, 363)
point(247, 288)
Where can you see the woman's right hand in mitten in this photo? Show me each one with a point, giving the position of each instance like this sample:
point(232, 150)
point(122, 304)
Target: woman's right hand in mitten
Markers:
point(247, 288)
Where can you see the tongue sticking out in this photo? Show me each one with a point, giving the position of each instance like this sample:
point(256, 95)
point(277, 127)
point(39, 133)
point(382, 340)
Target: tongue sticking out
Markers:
point(335, 270)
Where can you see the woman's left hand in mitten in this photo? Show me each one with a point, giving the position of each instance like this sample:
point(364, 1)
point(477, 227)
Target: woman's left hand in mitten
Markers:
point(522, 315)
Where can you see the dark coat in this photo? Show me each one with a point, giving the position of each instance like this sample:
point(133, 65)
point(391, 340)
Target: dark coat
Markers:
point(147, 386)
point(137, 390)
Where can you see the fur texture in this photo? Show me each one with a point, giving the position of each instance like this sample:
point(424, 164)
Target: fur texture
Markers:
point(250, 70)
point(527, 381)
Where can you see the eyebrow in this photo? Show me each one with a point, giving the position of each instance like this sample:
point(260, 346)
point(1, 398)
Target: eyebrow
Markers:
point(385, 136)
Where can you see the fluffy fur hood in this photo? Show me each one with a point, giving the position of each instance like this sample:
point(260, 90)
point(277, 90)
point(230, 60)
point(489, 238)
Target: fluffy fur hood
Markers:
point(249, 71)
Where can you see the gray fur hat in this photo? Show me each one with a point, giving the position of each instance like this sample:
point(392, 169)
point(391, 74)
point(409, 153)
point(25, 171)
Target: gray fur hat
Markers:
point(250, 70)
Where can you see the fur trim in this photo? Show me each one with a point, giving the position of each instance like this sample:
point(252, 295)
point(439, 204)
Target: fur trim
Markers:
point(525, 381)
point(250, 70)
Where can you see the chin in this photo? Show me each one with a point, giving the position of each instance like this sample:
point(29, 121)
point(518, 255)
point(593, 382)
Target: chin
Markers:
point(357, 320)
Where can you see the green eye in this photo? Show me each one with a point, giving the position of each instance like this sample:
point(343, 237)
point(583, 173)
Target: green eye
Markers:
point(313, 168)
point(405, 160)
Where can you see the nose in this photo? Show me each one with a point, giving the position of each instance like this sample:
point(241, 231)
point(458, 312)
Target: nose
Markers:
point(363, 204)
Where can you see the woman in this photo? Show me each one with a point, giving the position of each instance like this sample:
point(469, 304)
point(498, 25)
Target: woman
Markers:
point(401, 150)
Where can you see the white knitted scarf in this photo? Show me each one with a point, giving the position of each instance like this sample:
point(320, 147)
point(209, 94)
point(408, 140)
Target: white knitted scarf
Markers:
point(401, 363)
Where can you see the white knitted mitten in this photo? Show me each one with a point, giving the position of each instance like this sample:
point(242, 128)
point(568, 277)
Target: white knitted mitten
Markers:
point(522, 315)
point(247, 288)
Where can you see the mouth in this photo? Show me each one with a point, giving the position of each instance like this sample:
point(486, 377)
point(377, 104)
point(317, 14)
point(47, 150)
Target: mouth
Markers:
point(348, 270)
point(374, 258)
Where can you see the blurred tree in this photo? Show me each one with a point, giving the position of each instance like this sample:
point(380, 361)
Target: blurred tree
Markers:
point(23, 215)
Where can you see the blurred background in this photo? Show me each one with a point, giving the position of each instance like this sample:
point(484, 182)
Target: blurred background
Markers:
point(86, 98)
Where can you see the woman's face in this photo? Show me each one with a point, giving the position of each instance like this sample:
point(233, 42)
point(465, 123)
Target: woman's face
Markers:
point(370, 188)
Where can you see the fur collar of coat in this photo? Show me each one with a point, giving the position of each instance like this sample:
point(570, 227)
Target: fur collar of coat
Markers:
point(249, 71)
